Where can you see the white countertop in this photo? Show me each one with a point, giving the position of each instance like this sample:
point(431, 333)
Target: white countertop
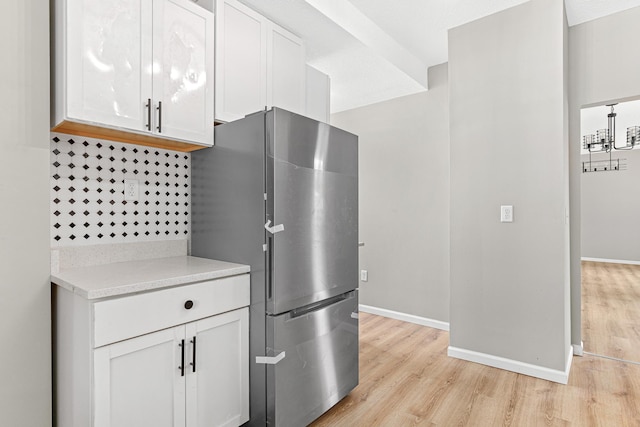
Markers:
point(122, 278)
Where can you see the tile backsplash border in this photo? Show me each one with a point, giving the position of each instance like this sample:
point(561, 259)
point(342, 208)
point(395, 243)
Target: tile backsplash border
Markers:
point(87, 192)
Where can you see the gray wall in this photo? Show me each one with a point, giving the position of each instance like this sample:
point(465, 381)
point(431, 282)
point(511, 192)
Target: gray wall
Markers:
point(509, 281)
point(25, 319)
point(404, 199)
point(610, 210)
point(590, 83)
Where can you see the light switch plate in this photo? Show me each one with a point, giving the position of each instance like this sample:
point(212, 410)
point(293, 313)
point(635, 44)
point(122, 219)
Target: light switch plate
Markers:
point(506, 213)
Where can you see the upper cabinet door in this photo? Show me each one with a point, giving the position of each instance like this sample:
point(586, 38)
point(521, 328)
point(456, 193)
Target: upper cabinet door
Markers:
point(108, 52)
point(318, 91)
point(241, 60)
point(286, 70)
point(183, 55)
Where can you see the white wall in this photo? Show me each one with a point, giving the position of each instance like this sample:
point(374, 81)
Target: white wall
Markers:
point(510, 281)
point(610, 210)
point(25, 317)
point(404, 200)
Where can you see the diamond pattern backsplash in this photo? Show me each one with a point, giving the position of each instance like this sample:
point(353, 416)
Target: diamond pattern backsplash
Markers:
point(87, 192)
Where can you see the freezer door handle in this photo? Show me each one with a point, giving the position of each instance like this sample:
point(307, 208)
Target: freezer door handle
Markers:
point(275, 229)
point(270, 360)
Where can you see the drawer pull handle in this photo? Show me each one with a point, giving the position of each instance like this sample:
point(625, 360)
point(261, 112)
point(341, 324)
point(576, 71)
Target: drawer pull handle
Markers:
point(188, 304)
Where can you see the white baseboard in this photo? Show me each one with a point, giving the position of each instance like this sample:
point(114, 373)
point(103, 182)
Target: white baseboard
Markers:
point(578, 349)
point(554, 375)
point(611, 261)
point(437, 324)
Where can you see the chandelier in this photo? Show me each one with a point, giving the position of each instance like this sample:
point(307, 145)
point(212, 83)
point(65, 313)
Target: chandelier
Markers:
point(604, 140)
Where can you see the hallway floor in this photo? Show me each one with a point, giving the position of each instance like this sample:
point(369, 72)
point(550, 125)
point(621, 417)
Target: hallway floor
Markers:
point(407, 379)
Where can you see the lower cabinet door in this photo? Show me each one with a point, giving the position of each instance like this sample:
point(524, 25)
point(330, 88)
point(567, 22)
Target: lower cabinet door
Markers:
point(218, 372)
point(139, 382)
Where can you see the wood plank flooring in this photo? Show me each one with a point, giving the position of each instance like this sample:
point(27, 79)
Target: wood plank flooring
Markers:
point(407, 379)
point(611, 309)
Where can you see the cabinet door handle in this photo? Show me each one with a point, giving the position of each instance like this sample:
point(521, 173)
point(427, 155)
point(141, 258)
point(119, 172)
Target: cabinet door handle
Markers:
point(148, 126)
point(181, 367)
point(159, 117)
point(193, 357)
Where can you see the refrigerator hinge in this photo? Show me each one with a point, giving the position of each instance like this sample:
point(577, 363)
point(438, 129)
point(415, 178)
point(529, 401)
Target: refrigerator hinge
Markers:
point(265, 196)
point(275, 229)
point(264, 248)
point(354, 315)
point(270, 360)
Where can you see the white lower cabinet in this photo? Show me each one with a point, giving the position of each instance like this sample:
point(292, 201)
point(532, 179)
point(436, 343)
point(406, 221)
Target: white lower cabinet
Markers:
point(190, 375)
point(192, 371)
point(217, 393)
point(136, 383)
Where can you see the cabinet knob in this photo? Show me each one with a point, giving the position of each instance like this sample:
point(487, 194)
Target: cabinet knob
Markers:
point(188, 304)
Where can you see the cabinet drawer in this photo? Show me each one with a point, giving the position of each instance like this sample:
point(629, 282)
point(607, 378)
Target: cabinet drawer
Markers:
point(122, 318)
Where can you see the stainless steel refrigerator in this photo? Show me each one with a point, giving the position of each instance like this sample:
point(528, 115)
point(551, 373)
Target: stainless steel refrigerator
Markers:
point(279, 192)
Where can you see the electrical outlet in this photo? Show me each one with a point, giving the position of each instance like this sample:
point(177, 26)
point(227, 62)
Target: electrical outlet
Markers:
point(506, 213)
point(131, 189)
point(364, 275)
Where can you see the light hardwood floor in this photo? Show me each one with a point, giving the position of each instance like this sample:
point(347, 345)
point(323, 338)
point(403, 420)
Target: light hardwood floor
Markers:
point(407, 379)
point(611, 309)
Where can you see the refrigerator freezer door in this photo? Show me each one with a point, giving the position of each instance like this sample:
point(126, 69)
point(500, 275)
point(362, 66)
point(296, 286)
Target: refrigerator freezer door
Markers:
point(320, 366)
point(312, 203)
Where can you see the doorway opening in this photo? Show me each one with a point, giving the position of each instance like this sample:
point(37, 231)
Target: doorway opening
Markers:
point(610, 212)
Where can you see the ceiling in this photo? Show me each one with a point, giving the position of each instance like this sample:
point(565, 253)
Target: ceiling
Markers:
point(375, 50)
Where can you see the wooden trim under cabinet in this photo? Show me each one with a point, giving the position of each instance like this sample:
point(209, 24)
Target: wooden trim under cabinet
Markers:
point(93, 131)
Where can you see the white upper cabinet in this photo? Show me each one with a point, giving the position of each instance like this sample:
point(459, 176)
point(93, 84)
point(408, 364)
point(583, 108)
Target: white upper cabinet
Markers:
point(258, 64)
point(140, 66)
point(318, 89)
point(286, 70)
point(241, 61)
point(108, 52)
point(183, 80)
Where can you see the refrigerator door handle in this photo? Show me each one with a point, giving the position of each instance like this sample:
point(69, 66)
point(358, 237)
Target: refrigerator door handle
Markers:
point(275, 229)
point(321, 305)
point(270, 360)
point(269, 265)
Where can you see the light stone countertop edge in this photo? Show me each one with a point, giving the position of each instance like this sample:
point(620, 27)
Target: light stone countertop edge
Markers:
point(122, 278)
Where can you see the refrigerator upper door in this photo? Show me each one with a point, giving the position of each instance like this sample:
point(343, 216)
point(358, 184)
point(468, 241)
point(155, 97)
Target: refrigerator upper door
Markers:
point(312, 201)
